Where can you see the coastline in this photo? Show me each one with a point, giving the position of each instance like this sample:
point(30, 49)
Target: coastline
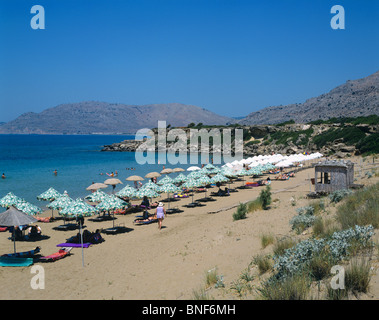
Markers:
point(146, 263)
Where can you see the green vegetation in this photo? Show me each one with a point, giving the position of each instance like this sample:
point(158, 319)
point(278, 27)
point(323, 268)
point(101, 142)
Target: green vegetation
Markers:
point(350, 136)
point(250, 143)
point(360, 208)
point(241, 212)
point(254, 205)
point(298, 264)
point(295, 287)
point(263, 262)
point(267, 239)
point(286, 122)
point(265, 197)
point(370, 120)
point(300, 137)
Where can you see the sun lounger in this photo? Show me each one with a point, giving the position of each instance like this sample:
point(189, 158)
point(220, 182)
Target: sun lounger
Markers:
point(194, 205)
point(102, 218)
point(173, 210)
point(74, 245)
point(139, 222)
point(26, 254)
point(116, 230)
point(67, 226)
point(45, 219)
point(56, 256)
point(15, 262)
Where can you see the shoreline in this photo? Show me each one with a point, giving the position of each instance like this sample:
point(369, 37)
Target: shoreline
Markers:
point(146, 263)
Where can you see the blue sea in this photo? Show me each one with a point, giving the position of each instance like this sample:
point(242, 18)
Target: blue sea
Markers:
point(29, 161)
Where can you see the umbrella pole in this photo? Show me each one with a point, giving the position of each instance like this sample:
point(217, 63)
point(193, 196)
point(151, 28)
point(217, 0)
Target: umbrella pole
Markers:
point(81, 239)
point(14, 239)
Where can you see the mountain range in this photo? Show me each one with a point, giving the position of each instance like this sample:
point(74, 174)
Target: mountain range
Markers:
point(351, 99)
point(93, 117)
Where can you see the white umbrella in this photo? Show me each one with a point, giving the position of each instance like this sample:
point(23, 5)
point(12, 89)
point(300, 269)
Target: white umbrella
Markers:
point(193, 168)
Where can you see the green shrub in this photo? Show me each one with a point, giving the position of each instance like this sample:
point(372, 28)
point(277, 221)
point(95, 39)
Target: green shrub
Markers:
point(211, 277)
point(264, 263)
point(265, 197)
point(241, 212)
point(360, 208)
point(338, 195)
point(291, 288)
point(282, 244)
point(254, 205)
point(358, 276)
point(267, 239)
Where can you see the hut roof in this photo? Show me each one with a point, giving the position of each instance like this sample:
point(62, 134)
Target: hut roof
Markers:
point(334, 163)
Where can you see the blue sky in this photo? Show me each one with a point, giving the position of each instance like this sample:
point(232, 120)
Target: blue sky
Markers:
point(229, 56)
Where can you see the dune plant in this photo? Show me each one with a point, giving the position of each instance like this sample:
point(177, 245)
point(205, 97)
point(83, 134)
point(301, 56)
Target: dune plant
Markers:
point(265, 197)
point(358, 276)
point(360, 208)
point(241, 212)
point(263, 262)
point(267, 239)
point(295, 287)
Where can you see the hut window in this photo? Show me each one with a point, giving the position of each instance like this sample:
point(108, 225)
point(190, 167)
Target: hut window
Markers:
point(326, 178)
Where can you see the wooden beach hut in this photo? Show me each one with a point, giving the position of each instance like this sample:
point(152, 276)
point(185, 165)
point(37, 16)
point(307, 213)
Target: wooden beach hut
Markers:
point(332, 175)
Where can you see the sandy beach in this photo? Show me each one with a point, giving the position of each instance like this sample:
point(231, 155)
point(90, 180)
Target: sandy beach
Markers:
point(146, 263)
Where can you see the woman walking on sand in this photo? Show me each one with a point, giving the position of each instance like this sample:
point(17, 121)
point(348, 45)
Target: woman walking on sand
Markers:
point(160, 212)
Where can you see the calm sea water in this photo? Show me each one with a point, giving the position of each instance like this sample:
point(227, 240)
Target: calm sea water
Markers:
point(29, 161)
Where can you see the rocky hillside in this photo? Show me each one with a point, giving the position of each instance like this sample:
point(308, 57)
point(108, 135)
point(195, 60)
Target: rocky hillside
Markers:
point(93, 117)
point(341, 138)
point(352, 99)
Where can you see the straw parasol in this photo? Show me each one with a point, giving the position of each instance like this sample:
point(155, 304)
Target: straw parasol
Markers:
point(97, 186)
point(113, 182)
point(153, 175)
point(14, 217)
point(178, 170)
point(166, 171)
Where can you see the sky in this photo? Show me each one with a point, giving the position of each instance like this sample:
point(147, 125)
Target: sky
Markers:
point(231, 57)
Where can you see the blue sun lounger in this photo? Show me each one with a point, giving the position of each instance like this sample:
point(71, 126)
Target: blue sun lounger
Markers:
point(15, 262)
